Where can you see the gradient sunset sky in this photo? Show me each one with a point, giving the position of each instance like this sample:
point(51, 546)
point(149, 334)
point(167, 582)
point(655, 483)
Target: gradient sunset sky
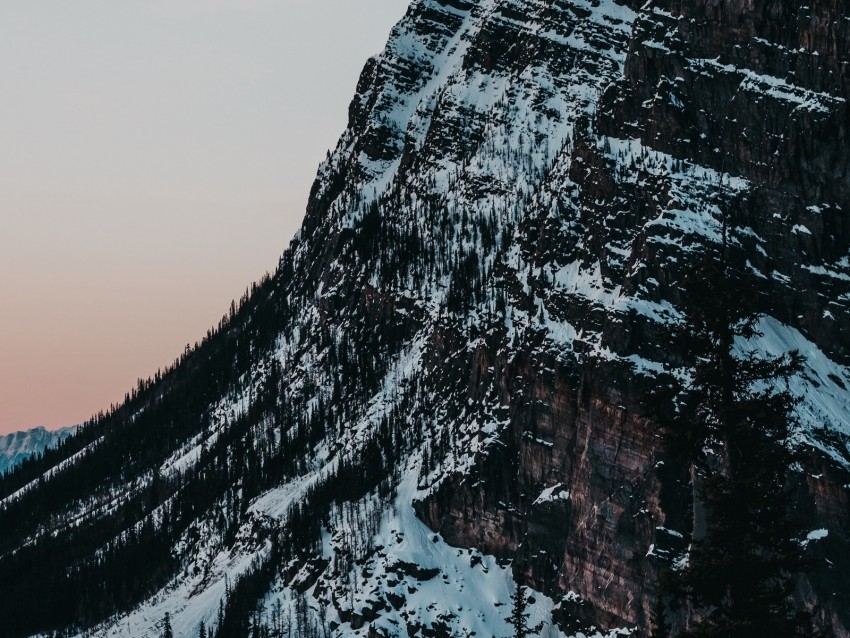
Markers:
point(155, 158)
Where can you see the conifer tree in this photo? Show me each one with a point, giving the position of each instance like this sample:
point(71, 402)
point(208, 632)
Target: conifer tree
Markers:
point(732, 424)
point(166, 626)
point(658, 619)
point(519, 615)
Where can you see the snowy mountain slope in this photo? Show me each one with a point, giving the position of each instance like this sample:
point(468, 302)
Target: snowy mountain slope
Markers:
point(18, 446)
point(439, 395)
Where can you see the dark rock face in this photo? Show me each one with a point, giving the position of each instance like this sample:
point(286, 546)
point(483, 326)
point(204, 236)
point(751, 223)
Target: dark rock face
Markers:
point(590, 534)
point(474, 305)
point(758, 90)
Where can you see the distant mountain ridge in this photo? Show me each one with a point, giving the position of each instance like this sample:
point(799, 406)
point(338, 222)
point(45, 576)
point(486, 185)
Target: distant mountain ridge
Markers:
point(19, 446)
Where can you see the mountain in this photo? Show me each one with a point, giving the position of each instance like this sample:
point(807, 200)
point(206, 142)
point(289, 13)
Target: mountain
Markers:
point(19, 446)
point(441, 392)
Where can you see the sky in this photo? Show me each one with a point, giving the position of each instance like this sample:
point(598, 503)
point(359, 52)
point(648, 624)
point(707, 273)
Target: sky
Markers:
point(155, 158)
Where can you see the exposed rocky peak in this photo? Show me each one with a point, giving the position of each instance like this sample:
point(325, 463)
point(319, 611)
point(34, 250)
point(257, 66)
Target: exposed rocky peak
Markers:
point(452, 72)
point(440, 394)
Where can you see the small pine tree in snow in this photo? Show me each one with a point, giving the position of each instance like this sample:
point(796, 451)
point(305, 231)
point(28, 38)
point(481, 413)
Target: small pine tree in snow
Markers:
point(166, 626)
point(519, 615)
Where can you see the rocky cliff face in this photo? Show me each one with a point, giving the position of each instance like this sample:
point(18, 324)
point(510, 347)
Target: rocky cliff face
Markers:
point(758, 90)
point(443, 387)
point(723, 109)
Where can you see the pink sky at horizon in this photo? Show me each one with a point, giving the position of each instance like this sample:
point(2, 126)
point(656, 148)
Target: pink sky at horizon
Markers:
point(155, 159)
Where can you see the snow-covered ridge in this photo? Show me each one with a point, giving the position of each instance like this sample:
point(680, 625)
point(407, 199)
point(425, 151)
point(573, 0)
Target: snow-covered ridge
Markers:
point(821, 387)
